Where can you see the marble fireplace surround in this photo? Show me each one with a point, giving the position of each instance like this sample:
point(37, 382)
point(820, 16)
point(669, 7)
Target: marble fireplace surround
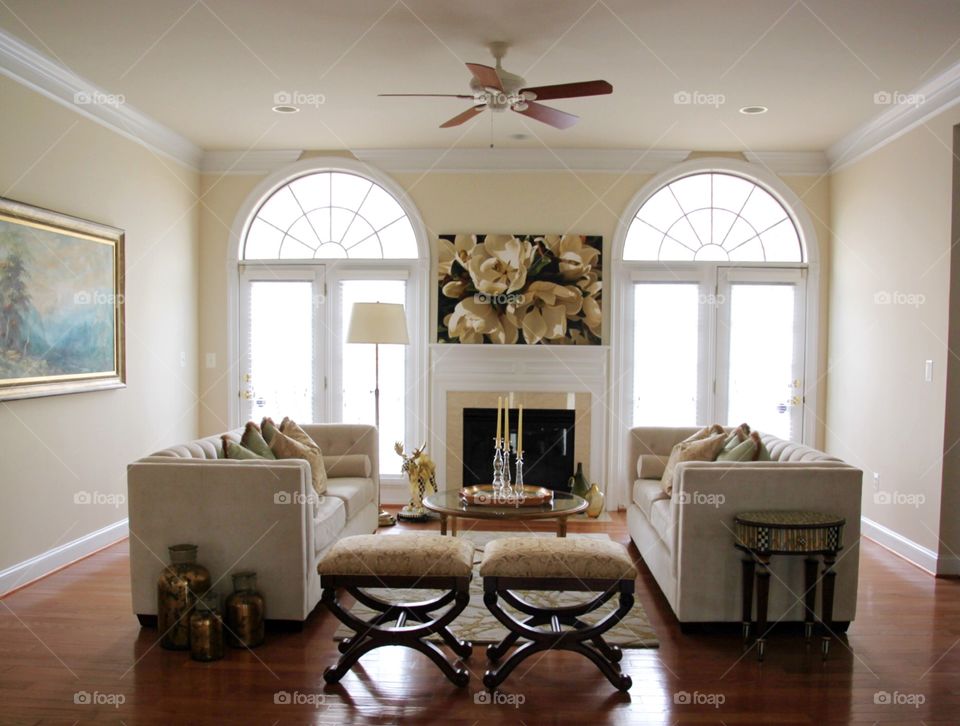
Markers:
point(549, 377)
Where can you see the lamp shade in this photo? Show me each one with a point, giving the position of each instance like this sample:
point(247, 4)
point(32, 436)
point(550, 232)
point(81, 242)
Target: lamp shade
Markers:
point(377, 323)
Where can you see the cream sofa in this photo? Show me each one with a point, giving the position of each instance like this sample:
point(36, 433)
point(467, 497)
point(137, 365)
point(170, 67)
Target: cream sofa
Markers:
point(686, 539)
point(249, 515)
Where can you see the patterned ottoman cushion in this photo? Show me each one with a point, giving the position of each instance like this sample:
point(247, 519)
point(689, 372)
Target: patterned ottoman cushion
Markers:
point(534, 557)
point(412, 555)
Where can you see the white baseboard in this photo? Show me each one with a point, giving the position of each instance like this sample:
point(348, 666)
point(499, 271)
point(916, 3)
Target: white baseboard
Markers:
point(923, 557)
point(394, 493)
point(43, 564)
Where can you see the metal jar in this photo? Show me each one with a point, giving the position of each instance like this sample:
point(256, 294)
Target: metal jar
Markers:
point(181, 583)
point(245, 609)
point(206, 629)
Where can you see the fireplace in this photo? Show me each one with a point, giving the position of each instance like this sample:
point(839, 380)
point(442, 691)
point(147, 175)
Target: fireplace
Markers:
point(548, 439)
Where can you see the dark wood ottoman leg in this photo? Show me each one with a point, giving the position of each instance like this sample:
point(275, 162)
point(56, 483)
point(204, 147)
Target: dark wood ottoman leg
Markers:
point(373, 633)
point(583, 638)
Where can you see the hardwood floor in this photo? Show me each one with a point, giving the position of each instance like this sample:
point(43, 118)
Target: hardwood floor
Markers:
point(73, 633)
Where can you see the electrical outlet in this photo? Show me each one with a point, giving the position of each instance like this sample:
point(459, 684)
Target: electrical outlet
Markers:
point(211, 360)
point(876, 482)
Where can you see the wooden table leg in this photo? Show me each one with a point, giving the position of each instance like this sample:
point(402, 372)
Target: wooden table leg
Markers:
point(763, 594)
point(443, 523)
point(809, 596)
point(829, 575)
point(748, 574)
point(562, 527)
point(453, 526)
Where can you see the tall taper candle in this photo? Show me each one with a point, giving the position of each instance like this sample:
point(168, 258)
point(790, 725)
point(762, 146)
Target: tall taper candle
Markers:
point(499, 406)
point(520, 432)
point(506, 425)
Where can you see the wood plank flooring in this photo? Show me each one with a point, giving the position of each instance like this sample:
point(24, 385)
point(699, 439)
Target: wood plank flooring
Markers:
point(73, 634)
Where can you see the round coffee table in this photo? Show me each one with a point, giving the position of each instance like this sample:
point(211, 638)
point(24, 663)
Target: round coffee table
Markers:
point(450, 507)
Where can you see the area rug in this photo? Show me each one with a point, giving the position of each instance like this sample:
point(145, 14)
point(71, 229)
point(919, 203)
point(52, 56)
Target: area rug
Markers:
point(478, 626)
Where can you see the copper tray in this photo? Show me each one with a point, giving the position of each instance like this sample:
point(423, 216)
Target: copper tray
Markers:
point(482, 495)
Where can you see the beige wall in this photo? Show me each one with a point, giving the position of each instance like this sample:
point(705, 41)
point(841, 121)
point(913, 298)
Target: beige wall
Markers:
point(891, 217)
point(54, 447)
point(585, 203)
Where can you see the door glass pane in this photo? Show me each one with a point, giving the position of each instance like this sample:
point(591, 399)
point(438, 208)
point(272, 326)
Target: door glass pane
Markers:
point(358, 372)
point(666, 354)
point(280, 350)
point(762, 359)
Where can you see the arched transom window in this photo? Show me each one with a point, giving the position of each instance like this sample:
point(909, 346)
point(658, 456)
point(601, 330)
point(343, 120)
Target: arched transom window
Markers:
point(713, 217)
point(330, 215)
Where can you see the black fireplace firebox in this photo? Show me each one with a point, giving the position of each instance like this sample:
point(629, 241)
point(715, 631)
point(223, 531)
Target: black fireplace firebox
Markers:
point(547, 440)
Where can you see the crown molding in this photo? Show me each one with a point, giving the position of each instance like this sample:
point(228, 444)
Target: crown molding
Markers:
point(791, 163)
point(938, 94)
point(26, 65)
point(254, 161)
point(639, 161)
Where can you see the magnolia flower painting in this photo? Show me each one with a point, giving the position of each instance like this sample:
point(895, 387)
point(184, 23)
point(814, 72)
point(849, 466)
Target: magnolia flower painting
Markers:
point(533, 289)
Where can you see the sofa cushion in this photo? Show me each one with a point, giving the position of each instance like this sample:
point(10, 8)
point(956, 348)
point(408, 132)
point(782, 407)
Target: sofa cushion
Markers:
point(651, 466)
point(329, 518)
point(347, 465)
point(557, 557)
point(646, 492)
point(253, 440)
point(354, 492)
point(662, 522)
point(704, 449)
point(285, 447)
point(403, 555)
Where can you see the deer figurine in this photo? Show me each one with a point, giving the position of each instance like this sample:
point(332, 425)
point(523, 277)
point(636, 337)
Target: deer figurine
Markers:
point(422, 475)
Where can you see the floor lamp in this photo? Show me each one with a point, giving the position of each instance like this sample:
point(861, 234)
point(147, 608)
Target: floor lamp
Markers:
point(378, 323)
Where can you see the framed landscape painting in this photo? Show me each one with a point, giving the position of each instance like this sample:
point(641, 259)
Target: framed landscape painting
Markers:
point(61, 303)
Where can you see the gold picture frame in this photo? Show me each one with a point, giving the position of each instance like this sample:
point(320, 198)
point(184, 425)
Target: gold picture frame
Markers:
point(61, 303)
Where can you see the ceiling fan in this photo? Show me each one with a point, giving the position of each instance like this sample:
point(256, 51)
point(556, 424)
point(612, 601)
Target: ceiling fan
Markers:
point(499, 90)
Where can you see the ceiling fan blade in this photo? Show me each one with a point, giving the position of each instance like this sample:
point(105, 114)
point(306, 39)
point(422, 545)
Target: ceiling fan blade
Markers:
point(486, 76)
point(429, 95)
point(463, 117)
point(547, 115)
point(570, 90)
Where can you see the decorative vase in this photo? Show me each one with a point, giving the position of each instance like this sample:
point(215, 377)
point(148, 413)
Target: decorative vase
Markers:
point(181, 583)
point(245, 608)
point(578, 481)
point(206, 629)
point(595, 499)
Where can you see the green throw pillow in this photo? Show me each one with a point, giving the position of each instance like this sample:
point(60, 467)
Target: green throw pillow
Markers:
point(253, 440)
point(233, 450)
point(267, 429)
point(744, 451)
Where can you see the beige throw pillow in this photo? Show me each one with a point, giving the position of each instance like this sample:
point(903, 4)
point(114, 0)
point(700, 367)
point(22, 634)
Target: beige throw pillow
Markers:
point(705, 449)
point(284, 447)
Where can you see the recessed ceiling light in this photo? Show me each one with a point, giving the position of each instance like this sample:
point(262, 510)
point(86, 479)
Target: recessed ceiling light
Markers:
point(519, 137)
point(286, 109)
point(753, 110)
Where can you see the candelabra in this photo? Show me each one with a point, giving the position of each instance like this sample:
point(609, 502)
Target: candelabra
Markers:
point(518, 484)
point(497, 467)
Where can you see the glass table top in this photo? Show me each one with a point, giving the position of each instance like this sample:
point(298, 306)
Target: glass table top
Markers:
point(449, 502)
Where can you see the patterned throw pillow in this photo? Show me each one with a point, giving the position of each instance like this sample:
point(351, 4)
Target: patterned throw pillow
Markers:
point(233, 450)
point(705, 449)
point(285, 447)
point(736, 436)
point(253, 440)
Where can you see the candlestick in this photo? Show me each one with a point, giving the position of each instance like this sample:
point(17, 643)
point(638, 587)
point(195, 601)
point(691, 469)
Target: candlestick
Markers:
point(520, 433)
point(506, 429)
point(499, 405)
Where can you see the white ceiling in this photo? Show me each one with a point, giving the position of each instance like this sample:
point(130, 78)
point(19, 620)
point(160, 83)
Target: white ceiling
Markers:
point(210, 68)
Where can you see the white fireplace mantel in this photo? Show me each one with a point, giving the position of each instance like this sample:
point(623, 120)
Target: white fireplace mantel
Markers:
point(521, 368)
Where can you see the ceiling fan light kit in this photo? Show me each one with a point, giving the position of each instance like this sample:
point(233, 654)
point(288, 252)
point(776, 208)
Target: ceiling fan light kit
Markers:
point(499, 90)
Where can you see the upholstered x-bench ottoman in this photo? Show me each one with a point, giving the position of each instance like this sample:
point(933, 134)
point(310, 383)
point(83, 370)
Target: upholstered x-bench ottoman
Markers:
point(408, 561)
point(551, 563)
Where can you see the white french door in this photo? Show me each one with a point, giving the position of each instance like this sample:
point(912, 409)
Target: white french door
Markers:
point(723, 344)
point(761, 330)
point(281, 322)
